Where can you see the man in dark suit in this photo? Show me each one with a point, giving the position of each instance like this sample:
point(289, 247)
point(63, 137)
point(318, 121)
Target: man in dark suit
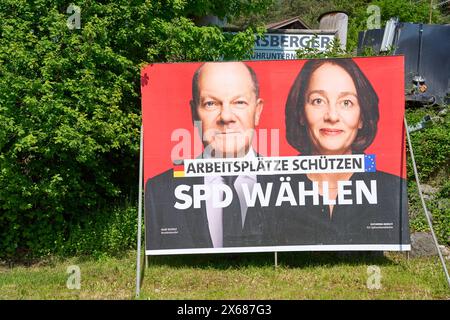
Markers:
point(225, 100)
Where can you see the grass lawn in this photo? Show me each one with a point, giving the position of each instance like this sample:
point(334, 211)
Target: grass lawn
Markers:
point(299, 275)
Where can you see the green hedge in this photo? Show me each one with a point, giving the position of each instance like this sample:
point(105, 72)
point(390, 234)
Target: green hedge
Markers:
point(70, 106)
point(108, 232)
point(431, 148)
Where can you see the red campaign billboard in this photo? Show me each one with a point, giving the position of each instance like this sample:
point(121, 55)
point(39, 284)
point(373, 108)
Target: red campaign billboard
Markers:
point(275, 156)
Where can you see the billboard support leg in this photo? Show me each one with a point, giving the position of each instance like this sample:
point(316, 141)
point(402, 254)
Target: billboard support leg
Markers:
point(138, 254)
point(427, 215)
point(276, 259)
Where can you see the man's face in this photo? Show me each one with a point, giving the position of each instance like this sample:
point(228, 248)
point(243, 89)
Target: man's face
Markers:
point(228, 108)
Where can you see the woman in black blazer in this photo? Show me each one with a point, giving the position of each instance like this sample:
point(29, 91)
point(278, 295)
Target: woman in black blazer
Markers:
point(332, 109)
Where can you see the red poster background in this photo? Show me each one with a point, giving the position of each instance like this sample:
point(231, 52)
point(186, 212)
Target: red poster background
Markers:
point(166, 92)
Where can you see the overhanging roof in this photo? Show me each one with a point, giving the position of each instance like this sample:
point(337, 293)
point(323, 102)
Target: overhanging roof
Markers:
point(292, 23)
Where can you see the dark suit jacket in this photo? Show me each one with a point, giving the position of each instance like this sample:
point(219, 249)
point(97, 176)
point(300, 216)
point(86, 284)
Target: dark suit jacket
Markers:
point(171, 228)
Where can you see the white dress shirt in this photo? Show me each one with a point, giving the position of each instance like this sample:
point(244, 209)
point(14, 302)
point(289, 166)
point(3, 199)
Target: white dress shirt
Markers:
point(215, 214)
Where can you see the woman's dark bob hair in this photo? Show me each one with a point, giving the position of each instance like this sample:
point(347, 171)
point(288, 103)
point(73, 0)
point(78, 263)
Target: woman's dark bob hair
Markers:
point(296, 127)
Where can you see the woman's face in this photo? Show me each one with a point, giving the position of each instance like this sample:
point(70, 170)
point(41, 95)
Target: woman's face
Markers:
point(332, 110)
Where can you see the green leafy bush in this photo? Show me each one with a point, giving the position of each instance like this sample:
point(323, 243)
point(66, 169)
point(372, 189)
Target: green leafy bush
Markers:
point(108, 232)
point(70, 106)
point(431, 147)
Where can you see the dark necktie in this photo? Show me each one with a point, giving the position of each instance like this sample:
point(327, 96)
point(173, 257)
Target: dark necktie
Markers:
point(231, 218)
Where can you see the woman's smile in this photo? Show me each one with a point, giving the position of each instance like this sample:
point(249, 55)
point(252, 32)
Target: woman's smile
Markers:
point(330, 131)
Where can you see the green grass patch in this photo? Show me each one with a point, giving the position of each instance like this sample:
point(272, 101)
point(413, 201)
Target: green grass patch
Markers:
point(300, 275)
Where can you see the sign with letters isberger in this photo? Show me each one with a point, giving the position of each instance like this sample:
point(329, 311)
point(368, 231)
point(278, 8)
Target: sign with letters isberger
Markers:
point(293, 155)
point(283, 46)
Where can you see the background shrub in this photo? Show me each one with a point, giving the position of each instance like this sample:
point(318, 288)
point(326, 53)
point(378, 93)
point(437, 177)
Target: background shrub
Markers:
point(432, 153)
point(70, 108)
